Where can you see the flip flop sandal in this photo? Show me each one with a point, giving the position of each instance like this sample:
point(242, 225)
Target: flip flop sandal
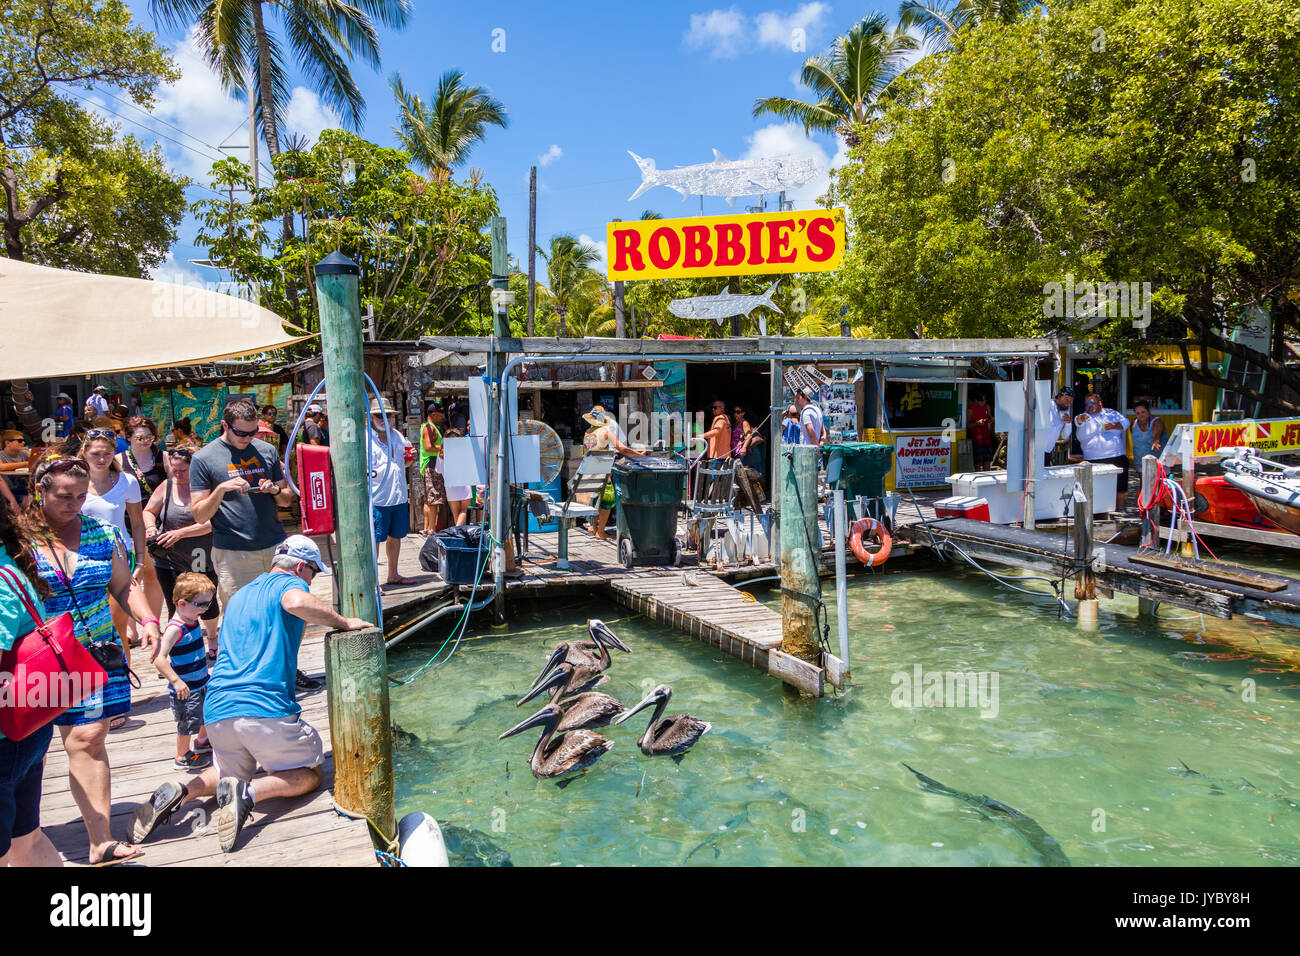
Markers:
point(153, 814)
point(111, 860)
point(117, 723)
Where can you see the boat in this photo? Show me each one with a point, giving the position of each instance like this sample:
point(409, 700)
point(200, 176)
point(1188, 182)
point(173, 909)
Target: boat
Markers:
point(1274, 488)
point(1218, 501)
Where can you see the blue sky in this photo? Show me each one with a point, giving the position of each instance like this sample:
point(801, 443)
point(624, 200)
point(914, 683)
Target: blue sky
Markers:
point(583, 83)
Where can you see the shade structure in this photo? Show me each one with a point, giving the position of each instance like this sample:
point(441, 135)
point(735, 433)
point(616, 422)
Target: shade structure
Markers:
point(55, 322)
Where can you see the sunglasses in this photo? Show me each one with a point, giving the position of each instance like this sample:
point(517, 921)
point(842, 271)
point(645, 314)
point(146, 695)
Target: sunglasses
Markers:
point(200, 605)
point(53, 466)
point(101, 433)
point(241, 433)
point(184, 454)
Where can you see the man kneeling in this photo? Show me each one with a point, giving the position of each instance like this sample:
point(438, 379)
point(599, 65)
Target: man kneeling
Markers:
point(250, 711)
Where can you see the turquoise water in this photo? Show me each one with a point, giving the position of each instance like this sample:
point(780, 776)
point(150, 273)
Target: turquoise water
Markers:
point(1088, 736)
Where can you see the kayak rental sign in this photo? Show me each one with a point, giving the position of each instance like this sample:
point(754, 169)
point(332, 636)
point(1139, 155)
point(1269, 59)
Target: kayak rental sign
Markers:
point(1273, 435)
point(758, 244)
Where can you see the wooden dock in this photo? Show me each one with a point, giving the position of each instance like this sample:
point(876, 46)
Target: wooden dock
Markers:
point(302, 831)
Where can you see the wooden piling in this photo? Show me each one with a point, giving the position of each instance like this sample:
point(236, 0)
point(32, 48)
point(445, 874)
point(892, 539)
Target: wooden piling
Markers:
point(800, 548)
point(1151, 519)
point(356, 665)
point(1085, 583)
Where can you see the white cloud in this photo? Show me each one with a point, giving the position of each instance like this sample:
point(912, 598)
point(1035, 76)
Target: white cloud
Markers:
point(722, 32)
point(779, 32)
point(796, 80)
point(307, 116)
point(789, 139)
point(601, 247)
point(550, 156)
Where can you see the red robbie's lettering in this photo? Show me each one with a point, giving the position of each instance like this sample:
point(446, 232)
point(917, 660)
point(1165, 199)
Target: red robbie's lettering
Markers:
point(661, 237)
point(778, 240)
point(821, 239)
point(626, 255)
point(698, 251)
point(731, 250)
point(755, 243)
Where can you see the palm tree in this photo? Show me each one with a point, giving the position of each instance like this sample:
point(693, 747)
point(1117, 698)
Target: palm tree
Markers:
point(442, 134)
point(324, 35)
point(849, 80)
point(939, 21)
point(569, 273)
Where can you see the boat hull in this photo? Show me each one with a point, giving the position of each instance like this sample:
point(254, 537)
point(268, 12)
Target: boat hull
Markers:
point(1277, 500)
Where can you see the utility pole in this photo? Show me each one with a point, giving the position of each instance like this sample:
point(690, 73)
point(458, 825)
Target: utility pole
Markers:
point(532, 249)
point(620, 324)
point(356, 666)
point(1033, 463)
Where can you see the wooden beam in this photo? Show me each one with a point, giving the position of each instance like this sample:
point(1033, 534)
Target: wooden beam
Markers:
point(807, 677)
point(1278, 539)
point(760, 348)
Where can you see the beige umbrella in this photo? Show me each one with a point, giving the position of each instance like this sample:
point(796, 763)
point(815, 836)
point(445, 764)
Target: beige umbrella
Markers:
point(55, 322)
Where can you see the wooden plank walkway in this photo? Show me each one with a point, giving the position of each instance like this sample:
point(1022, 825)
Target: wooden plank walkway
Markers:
point(302, 831)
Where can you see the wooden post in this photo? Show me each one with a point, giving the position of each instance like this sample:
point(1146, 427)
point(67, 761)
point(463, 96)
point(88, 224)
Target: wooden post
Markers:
point(1085, 585)
point(800, 550)
point(1189, 489)
point(774, 474)
point(356, 672)
point(1031, 442)
point(497, 517)
point(1150, 520)
point(532, 249)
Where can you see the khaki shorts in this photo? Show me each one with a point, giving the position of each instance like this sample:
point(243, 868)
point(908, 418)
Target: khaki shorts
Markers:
point(241, 744)
point(237, 568)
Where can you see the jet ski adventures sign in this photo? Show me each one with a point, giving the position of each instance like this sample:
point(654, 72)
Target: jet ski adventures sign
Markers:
point(1269, 436)
point(759, 244)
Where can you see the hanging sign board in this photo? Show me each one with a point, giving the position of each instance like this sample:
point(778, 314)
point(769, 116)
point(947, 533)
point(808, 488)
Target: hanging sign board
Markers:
point(922, 461)
point(1271, 436)
point(759, 244)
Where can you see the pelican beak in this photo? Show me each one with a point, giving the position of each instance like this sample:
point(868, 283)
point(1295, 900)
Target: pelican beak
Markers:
point(556, 657)
point(599, 631)
point(539, 719)
point(557, 678)
point(628, 714)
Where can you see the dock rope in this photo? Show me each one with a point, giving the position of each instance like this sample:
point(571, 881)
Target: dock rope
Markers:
point(391, 847)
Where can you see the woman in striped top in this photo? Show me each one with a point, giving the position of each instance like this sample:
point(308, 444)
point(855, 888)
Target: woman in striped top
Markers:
point(82, 560)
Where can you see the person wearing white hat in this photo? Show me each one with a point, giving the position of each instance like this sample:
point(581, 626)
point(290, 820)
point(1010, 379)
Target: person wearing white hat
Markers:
point(63, 414)
point(389, 500)
point(252, 717)
point(311, 429)
point(98, 401)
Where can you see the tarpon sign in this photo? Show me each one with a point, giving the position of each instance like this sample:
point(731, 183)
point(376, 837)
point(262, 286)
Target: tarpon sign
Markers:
point(760, 244)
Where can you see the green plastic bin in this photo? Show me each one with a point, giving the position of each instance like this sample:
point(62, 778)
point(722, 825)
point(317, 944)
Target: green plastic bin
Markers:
point(864, 467)
point(649, 491)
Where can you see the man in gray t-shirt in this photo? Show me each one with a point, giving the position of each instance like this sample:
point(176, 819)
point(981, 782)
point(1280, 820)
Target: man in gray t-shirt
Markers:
point(237, 483)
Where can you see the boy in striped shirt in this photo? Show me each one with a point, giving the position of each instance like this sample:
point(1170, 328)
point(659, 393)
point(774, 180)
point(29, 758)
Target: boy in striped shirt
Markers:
point(183, 662)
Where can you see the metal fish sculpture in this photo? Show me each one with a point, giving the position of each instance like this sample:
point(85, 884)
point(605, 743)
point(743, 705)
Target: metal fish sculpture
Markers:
point(722, 307)
point(727, 179)
point(1043, 843)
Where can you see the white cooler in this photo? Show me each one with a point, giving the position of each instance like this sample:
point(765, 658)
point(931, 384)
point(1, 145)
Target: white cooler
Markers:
point(1052, 483)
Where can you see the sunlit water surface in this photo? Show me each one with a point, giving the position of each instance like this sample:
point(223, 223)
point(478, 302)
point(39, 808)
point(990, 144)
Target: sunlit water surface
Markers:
point(1090, 737)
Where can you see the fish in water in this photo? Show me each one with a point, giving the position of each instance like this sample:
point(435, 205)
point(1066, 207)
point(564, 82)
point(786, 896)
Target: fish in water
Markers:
point(404, 738)
point(1043, 843)
point(721, 307)
point(469, 847)
point(725, 178)
point(727, 829)
point(480, 710)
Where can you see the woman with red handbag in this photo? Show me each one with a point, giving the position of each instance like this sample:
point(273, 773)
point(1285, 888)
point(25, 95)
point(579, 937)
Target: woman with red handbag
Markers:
point(22, 842)
point(82, 560)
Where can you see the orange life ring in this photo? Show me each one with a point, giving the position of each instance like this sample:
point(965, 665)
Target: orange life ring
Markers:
point(870, 558)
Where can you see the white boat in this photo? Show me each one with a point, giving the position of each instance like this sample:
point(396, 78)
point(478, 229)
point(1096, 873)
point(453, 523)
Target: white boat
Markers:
point(1274, 488)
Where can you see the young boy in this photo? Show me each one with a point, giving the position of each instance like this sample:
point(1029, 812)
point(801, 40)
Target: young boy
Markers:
point(183, 661)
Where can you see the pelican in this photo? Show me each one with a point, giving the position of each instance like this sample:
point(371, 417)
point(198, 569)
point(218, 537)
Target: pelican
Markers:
point(667, 736)
point(584, 710)
point(578, 679)
point(579, 653)
point(569, 753)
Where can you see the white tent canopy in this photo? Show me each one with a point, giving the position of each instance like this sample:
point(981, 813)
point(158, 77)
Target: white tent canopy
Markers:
point(54, 322)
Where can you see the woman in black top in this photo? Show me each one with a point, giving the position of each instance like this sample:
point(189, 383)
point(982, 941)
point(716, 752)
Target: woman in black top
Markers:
point(144, 459)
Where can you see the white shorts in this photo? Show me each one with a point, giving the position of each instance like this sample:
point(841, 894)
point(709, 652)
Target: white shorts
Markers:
point(241, 744)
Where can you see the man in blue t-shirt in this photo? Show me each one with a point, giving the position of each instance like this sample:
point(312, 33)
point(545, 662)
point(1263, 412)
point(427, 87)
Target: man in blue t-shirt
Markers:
point(250, 712)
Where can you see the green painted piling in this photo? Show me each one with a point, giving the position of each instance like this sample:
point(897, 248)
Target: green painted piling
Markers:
point(800, 547)
point(356, 669)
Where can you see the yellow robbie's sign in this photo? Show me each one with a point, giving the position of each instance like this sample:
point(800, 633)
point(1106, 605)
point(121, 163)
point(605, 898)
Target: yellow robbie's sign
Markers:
point(1265, 436)
point(768, 242)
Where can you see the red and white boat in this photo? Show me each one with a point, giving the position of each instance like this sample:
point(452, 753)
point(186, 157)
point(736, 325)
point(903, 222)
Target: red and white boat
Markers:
point(1274, 489)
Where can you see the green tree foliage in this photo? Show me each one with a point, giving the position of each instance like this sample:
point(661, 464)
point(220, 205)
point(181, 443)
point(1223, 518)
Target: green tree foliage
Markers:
point(323, 35)
point(847, 81)
point(77, 194)
point(939, 21)
point(574, 287)
point(1112, 141)
point(441, 135)
point(421, 244)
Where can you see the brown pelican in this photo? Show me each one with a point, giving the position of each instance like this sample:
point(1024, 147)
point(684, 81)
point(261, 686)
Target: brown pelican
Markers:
point(584, 710)
point(585, 653)
point(569, 753)
point(577, 679)
point(667, 736)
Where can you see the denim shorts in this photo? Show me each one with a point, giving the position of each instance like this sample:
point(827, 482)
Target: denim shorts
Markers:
point(189, 712)
point(21, 767)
